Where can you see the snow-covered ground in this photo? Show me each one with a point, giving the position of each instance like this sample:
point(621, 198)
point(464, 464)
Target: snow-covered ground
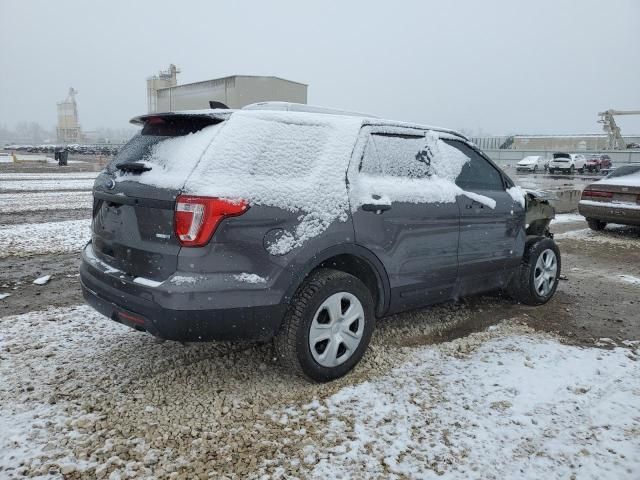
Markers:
point(517, 405)
point(42, 238)
point(46, 185)
point(47, 176)
point(567, 218)
point(41, 201)
point(618, 235)
point(83, 394)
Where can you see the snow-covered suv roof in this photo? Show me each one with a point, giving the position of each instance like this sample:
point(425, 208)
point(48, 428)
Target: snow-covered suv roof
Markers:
point(287, 109)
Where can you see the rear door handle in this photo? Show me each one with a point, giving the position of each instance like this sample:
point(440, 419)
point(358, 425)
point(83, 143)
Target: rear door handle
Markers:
point(377, 208)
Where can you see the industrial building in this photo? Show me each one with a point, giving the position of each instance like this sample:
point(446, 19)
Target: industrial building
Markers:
point(562, 143)
point(164, 95)
point(68, 129)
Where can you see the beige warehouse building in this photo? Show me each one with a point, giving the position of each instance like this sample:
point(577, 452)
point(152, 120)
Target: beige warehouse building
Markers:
point(235, 92)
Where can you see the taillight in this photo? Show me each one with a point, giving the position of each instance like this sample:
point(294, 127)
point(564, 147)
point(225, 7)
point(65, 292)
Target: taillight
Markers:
point(596, 193)
point(196, 218)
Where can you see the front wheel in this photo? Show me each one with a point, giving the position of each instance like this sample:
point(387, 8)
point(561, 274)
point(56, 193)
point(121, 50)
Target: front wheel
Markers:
point(536, 279)
point(327, 327)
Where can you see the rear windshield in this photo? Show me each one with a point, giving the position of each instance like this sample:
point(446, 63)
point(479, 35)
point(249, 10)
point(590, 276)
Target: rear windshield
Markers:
point(558, 156)
point(155, 131)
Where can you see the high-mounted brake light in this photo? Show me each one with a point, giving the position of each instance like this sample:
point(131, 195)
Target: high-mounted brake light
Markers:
point(596, 193)
point(196, 218)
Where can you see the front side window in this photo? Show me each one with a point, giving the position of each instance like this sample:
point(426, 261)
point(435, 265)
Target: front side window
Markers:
point(478, 173)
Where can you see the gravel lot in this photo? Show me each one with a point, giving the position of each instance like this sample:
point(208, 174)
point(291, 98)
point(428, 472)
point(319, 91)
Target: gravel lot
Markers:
point(83, 397)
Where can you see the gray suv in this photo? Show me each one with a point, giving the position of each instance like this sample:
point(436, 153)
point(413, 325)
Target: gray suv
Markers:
point(303, 225)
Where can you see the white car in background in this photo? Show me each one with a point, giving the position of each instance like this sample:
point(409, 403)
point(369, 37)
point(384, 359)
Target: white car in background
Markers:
point(532, 163)
point(567, 162)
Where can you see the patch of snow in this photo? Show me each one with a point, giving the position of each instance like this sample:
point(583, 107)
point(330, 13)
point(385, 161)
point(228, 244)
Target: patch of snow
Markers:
point(517, 194)
point(629, 279)
point(147, 282)
point(45, 185)
point(42, 280)
point(567, 218)
point(42, 238)
point(48, 176)
point(183, 280)
point(39, 201)
point(4, 295)
point(519, 406)
point(250, 278)
point(614, 236)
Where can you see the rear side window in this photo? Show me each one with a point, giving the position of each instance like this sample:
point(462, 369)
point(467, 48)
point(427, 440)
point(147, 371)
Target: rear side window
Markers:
point(394, 155)
point(478, 173)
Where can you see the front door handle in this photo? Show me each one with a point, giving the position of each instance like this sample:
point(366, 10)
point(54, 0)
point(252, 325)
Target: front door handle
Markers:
point(474, 204)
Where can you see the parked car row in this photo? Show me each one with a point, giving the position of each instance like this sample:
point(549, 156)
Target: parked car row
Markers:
point(87, 149)
point(565, 163)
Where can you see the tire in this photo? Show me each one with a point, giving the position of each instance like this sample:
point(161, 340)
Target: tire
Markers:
point(596, 225)
point(309, 308)
point(581, 170)
point(572, 170)
point(525, 286)
point(535, 168)
point(551, 170)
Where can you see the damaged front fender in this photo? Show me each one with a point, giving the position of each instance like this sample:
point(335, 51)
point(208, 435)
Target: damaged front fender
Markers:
point(539, 212)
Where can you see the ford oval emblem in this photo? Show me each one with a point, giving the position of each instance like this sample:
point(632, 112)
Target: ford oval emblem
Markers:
point(111, 184)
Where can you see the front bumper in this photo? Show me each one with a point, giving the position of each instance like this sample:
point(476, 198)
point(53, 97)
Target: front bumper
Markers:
point(610, 213)
point(178, 312)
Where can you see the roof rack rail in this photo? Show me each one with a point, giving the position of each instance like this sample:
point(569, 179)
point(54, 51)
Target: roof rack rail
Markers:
point(301, 107)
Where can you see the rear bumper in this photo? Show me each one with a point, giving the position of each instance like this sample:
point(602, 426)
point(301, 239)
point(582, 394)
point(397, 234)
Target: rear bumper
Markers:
point(136, 307)
point(610, 213)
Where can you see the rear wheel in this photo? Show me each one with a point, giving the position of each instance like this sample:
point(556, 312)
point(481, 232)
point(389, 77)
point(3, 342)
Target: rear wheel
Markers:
point(327, 327)
point(572, 170)
point(595, 224)
point(536, 280)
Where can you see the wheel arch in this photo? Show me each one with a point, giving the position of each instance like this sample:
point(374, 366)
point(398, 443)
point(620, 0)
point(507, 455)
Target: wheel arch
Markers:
point(355, 260)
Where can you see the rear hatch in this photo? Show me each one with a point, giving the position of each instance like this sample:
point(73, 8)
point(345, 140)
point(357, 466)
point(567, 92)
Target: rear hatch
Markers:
point(134, 197)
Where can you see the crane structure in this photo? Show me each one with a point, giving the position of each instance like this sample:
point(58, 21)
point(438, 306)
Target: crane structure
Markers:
point(609, 125)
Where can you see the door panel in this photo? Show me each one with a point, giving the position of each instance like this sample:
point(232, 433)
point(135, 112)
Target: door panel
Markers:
point(491, 239)
point(416, 242)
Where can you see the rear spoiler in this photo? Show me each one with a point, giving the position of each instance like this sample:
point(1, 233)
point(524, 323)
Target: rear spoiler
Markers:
point(218, 115)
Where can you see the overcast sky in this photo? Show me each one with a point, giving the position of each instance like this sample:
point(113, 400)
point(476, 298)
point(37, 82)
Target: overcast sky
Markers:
point(496, 66)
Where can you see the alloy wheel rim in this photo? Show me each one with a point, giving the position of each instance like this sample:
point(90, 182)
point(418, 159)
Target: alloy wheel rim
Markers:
point(544, 277)
point(336, 329)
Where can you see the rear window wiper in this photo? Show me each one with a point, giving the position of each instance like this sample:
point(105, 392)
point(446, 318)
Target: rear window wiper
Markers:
point(133, 167)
